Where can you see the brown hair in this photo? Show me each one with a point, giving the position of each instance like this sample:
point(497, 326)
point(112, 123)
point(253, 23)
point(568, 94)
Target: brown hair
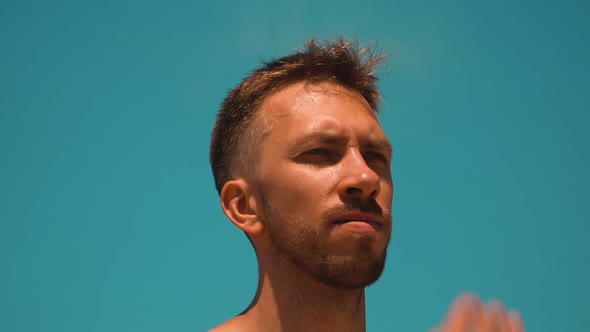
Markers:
point(236, 135)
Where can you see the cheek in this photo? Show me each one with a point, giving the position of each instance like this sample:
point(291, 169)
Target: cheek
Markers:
point(387, 195)
point(297, 187)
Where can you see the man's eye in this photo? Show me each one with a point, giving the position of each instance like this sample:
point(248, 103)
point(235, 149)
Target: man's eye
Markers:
point(372, 155)
point(319, 152)
point(319, 156)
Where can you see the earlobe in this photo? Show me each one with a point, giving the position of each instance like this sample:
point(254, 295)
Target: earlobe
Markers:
point(239, 205)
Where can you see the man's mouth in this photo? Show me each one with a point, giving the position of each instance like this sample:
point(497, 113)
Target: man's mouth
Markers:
point(359, 222)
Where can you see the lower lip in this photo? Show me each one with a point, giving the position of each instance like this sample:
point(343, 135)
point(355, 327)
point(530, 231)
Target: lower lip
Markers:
point(360, 227)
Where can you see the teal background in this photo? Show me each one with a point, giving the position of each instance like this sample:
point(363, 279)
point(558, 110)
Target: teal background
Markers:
point(109, 220)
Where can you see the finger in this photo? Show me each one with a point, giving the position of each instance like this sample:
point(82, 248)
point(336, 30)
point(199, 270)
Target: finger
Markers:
point(515, 321)
point(496, 317)
point(465, 313)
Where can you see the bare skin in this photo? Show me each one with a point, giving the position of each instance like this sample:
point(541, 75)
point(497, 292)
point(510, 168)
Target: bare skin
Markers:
point(323, 150)
point(468, 313)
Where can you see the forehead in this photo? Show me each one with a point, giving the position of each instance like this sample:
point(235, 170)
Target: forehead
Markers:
point(307, 96)
point(305, 107)
point(315, 104)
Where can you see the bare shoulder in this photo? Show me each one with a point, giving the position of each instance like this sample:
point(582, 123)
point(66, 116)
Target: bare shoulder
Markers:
point(235, 324)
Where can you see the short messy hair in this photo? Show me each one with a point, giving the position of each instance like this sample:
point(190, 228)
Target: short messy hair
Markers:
point(237, 135)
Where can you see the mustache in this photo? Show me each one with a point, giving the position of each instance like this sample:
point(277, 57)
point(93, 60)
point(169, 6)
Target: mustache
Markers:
point(358, 205)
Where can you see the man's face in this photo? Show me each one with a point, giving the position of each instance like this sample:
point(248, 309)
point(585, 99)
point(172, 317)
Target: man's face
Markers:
point(325, 183)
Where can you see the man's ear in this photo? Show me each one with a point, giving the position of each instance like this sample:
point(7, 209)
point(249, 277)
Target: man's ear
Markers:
point(239, 205)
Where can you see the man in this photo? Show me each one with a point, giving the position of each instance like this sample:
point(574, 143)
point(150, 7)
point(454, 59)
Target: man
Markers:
point(302, 167)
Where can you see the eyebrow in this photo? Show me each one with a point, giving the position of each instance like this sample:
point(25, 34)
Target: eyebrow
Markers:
point(380, 144)
point(333, 138)
point(321, 136)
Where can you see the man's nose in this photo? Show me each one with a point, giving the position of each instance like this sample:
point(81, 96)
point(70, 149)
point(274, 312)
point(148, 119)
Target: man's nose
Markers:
point(359, 181)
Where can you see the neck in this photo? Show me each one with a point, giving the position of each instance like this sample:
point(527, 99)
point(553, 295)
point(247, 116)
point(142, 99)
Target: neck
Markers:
point(290, 300)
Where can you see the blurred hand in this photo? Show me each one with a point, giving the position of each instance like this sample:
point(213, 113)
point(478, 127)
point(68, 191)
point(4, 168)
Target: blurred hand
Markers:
point(468, 314)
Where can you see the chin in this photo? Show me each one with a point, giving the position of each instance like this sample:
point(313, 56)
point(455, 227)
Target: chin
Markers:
point(355, 273)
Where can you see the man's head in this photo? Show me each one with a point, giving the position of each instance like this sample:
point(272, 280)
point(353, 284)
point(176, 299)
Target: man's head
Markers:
point(303, 167)
point(239, 127)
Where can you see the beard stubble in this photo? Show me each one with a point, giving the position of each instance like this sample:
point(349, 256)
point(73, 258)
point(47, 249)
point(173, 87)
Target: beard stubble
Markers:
point(304, 244)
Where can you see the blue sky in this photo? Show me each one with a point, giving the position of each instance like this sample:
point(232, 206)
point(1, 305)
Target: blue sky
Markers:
point(109, 220)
